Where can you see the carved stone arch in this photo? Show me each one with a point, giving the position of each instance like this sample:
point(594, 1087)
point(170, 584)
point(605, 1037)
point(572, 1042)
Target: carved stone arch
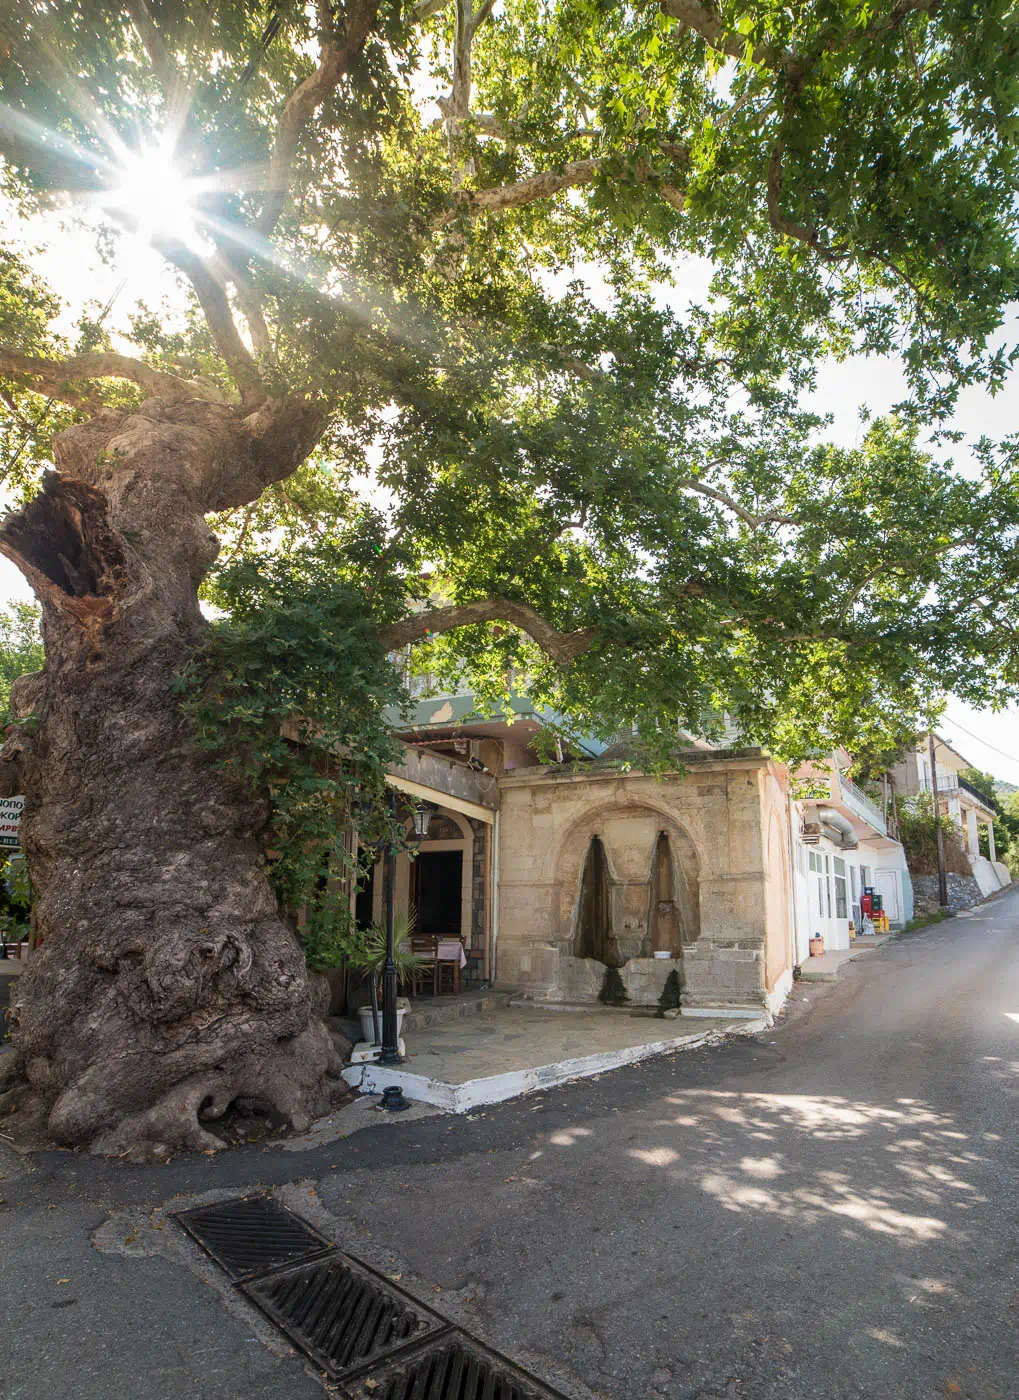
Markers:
point(627, 831)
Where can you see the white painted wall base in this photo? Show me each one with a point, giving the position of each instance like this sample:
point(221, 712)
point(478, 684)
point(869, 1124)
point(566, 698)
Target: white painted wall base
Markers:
point(985, 875)
point(776, 1000)
point(1003, 873)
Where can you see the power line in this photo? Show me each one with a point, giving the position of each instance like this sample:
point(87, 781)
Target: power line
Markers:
point(1010, 756)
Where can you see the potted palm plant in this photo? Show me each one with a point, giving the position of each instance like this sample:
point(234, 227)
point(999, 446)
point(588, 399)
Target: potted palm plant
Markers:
point(370, 960)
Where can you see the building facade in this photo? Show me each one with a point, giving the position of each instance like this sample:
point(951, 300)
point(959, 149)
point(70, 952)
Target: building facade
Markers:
point(958, 799)
point(584, 880)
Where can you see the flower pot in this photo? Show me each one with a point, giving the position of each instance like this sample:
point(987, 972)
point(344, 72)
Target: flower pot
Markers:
point(368, 1030)
point(817, 946)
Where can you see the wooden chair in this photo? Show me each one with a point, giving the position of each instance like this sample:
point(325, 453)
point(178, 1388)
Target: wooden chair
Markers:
point(442, 963)
point(426, 947)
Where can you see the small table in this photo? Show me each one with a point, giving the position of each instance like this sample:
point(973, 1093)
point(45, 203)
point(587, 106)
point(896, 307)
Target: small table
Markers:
point(451, 950)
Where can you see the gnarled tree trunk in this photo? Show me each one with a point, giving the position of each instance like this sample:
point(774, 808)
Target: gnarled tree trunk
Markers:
point(166, 984)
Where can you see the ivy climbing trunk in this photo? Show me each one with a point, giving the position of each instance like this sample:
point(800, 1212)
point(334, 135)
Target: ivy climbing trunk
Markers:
point(166, 984)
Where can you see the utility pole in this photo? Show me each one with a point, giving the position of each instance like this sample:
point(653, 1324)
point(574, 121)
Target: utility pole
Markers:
point(939, 834)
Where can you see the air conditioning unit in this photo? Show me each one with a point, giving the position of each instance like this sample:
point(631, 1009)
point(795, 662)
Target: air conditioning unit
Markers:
point(810, 833)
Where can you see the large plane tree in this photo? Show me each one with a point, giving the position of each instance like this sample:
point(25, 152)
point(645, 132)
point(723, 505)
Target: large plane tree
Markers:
point(529, 298)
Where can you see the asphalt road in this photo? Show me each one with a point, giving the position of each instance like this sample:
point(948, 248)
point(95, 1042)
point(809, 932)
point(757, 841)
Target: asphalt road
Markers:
point(828, 1210)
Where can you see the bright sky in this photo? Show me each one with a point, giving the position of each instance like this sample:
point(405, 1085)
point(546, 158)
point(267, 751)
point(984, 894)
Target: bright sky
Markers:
point(990, 741)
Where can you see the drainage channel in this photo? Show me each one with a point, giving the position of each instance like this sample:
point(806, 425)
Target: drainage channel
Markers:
point(360, 1329)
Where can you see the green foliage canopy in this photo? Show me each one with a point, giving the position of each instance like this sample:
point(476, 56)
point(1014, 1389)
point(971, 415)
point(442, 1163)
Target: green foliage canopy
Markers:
point(289, 695)
point(476, 237)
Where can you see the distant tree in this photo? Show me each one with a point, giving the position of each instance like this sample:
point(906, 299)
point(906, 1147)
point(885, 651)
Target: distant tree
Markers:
point(984, 784)
point(21, 649)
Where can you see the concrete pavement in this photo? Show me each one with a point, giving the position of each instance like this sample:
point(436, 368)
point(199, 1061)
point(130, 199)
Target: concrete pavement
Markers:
point(828, 1210)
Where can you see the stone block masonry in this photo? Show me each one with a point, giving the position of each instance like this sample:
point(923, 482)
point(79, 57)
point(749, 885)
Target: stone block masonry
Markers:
point(712, 897)
point(963, 893)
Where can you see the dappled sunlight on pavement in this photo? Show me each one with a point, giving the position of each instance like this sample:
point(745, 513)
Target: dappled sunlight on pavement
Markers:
point(826, 1212)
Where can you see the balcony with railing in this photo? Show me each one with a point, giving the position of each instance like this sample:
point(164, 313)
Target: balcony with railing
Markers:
point(859, 803)
point(952, 785)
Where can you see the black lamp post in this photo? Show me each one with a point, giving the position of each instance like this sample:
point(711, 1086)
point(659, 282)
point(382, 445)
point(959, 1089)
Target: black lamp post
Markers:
point(389, 1053)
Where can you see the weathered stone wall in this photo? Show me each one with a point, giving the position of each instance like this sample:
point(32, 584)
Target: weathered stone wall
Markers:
point(713, 816)
point(963, 893)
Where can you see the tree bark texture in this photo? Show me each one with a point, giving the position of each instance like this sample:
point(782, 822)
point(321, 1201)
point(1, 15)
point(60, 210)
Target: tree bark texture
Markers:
point(166, 984)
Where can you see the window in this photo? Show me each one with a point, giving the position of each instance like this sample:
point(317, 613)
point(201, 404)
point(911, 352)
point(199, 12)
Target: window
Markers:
point(821, 869)
point(827, 882)
point(841, 901)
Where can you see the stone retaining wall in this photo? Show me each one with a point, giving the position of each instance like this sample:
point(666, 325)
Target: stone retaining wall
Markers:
point(963, 893)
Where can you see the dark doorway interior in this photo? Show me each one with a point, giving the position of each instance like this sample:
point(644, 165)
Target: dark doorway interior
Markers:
point(438, 891)
point(365, 900)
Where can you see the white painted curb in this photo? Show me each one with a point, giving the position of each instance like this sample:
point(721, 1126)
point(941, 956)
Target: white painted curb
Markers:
point(497, 1088)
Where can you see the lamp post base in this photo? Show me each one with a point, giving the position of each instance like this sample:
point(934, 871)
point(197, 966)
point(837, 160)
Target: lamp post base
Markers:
point(393, 1100)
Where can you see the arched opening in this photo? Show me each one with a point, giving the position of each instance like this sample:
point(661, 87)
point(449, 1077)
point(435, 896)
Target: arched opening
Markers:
point(664, 927)
point(593, 938)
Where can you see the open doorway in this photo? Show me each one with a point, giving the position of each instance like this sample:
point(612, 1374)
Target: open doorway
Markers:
point(437, 891)
point(364, 901)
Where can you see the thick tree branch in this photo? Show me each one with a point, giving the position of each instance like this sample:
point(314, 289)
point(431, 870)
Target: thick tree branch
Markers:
point(810, 236)
point(206, 276)
point(754, 521)
point(481, 14)
point(457, 107)
point(57, 378)
point(250, 303)
point(551, 182)
point(705, 20)
point(337, 55)
point(213, 300)
point(562, 647)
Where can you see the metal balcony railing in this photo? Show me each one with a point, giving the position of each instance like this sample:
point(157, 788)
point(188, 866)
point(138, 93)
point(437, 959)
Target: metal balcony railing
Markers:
point(865, 808)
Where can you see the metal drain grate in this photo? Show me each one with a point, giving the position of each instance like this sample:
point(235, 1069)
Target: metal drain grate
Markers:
point(382, 1343)
point(342, 1314)
point(451, 1368)
point(252, 1234)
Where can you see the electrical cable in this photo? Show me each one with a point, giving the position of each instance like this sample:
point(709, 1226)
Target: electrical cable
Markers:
point(1010, 756)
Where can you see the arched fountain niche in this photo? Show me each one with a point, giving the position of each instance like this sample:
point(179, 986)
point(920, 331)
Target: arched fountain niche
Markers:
point(665, 932)
point(635, 894)
point(593, 937)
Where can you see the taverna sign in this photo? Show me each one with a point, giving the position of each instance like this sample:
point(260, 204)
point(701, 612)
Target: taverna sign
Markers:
point(10, 820)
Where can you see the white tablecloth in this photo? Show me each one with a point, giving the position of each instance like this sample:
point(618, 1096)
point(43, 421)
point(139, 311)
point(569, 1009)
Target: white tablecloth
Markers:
point(452, 950)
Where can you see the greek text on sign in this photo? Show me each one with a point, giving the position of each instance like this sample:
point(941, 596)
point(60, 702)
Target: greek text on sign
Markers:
point(10, 820)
